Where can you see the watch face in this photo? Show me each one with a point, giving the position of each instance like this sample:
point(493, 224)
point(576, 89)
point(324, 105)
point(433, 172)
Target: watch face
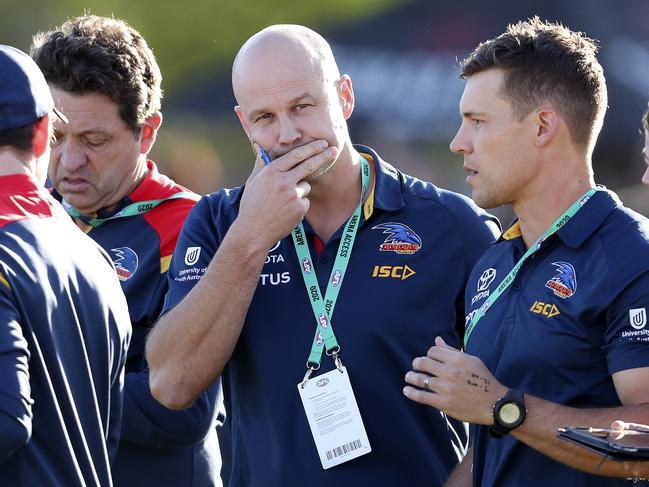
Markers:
point(509, 413)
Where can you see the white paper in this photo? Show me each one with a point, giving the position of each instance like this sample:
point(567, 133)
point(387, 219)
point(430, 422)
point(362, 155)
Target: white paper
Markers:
point(334, 418)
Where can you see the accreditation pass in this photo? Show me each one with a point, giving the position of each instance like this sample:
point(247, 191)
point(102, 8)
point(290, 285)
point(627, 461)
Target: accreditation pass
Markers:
point(334, 418)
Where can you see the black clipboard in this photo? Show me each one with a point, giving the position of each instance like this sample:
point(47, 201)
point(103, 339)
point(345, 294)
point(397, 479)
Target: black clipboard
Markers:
point(634, 445)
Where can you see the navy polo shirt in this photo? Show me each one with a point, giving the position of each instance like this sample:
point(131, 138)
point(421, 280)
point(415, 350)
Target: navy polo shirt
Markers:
point(404, 286)
point(575, 314)
point(64, 330)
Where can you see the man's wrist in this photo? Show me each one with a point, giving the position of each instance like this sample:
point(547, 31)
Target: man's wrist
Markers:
point(509, 412)
point(250, 246)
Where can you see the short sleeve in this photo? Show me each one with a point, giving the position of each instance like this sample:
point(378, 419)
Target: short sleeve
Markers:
point(197, 243)
point(626, 340)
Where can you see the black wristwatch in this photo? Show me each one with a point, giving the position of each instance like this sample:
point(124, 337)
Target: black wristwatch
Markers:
point(509, 412)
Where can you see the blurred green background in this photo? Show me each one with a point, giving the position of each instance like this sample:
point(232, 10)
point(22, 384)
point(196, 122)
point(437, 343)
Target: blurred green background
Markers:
point(403, 58)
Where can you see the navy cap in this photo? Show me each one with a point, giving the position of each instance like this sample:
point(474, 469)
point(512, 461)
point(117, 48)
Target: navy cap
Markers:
point(24, 94)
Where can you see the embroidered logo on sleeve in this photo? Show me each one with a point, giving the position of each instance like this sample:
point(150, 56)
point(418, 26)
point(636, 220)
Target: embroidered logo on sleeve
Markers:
point(638, 318)
point(191, 272)
point(191, 255)
point(126, 261)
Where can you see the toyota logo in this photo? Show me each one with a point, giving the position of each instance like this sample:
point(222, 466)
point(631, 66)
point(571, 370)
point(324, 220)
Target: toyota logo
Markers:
point(486, 278)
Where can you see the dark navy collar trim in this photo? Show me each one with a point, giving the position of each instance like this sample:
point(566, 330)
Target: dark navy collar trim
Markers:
point(589, 218)
point(585, 222)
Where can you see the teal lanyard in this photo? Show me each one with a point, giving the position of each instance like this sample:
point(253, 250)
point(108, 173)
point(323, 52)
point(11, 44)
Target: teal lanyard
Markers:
point(506, 282)
point(323, 309)
point(137, 208)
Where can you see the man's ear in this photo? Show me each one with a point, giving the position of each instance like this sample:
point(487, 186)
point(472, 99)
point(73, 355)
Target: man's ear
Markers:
point(547, 124)
point(149, 132)
point(41, 140)
point(237, 110)
point(346, 94)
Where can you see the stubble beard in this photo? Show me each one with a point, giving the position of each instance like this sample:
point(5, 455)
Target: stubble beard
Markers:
point(488, 198)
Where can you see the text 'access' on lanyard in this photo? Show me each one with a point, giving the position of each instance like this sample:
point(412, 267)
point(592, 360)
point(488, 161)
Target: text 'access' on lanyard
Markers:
point(323, 309)
point(137, 208)
point(509, 278)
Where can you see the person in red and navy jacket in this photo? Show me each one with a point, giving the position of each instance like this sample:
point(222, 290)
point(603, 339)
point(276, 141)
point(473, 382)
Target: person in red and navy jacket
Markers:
point(105, 76)
point(64, 324)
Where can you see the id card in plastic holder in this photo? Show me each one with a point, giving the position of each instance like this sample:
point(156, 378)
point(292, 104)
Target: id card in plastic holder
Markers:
point(334, 418)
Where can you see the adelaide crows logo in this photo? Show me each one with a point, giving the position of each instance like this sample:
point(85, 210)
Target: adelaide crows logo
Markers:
point(125, 261)
point(401, 239)
point(564, 284)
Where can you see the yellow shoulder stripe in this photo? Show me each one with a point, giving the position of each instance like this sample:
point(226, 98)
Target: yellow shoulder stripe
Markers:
point(368, 205)
point(164, 264)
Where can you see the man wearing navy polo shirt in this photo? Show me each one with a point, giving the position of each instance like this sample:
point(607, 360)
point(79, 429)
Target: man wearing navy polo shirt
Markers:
point(557, 329)
point(375, 270)
point(64, 325)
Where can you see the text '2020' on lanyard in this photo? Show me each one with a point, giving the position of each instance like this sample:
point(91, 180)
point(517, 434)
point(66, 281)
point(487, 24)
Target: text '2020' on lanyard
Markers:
point(329, 402)
point(323, 308)
point(565, 217)
point(137, 208)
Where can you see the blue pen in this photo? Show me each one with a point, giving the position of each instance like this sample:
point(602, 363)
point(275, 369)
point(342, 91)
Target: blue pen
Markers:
point(264, 156)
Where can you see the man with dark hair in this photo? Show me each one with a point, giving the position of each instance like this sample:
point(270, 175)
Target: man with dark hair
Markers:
point(557, 309)
point(383, 259)
point(64, 325)
point(105, 77)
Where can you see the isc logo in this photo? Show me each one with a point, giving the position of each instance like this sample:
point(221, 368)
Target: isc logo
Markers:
point(545, 309)
point(395, 271)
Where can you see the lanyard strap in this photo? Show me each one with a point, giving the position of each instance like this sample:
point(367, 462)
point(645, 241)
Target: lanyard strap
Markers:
point(509, 278)
point(323, 309)
point(137, 208)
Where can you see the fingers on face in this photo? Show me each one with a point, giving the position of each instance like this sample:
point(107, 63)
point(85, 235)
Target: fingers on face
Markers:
point(259, 163)
point(315, 163)
point(305, 160)
point(255, 170)
point(302, 189)
point(258, 160)
point(296, 156)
